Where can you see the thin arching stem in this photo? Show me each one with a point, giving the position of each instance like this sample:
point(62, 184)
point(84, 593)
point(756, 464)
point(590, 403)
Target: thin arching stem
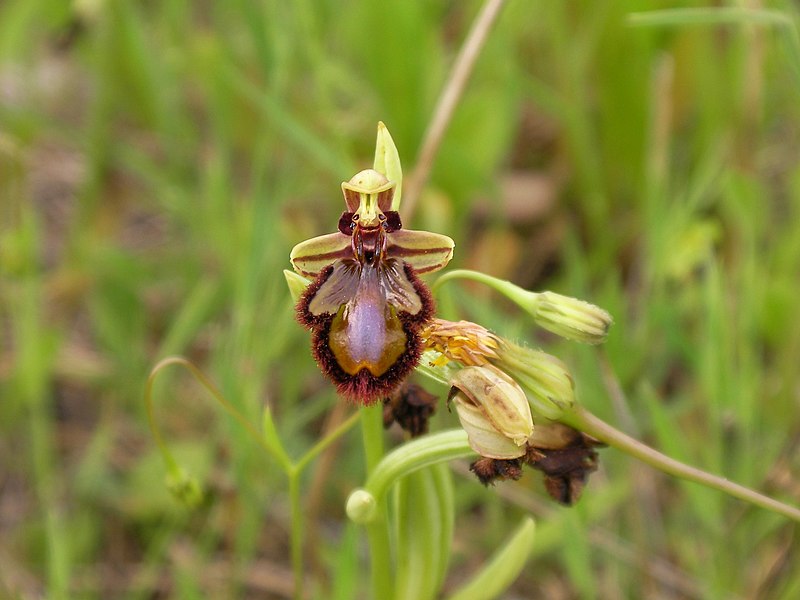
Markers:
point(448, 100)
point(279, 455)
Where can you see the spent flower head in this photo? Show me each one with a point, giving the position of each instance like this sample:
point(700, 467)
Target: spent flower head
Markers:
point(463, 341)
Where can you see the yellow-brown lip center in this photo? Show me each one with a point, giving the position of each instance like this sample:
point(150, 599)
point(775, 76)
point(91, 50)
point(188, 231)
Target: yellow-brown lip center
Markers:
point(361, 339)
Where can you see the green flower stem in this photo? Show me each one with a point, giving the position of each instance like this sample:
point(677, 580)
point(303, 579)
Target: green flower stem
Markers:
point(378, 530)
point(296, 533)
point(295, 499)
point(411, 456)
point(581, 419)
point(268, 440)
point(380, 556)
point(369, 505)
point(271, 448)
point(372, 435)
point(270, 437)
point(321, 445)
point(523, 298)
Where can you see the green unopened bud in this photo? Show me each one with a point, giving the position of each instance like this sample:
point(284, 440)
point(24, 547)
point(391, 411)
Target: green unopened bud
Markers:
point(184, 487)
point(545, 379)
point(387, 162)
point(297, 284)
point(572, 318)
point(568, 317)
point(493, 410)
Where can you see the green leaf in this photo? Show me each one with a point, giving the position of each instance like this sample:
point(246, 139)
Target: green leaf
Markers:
point(503, 569)
point(418, 531)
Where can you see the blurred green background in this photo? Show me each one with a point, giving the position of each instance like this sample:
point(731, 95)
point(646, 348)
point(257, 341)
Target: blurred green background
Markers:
point(158, 160)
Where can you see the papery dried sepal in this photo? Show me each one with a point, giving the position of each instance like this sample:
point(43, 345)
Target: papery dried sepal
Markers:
point(483, 436)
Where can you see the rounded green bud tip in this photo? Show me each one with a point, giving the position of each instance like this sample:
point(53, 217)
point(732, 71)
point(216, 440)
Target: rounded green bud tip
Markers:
point(361, 506)
point(545, 379)
point(184, 487)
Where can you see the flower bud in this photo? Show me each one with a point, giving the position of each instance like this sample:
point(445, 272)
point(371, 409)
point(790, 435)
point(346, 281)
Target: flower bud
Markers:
point(493, 410)
point(361, 506)
point(572, 318)
point(568, 317)
point(544, 378)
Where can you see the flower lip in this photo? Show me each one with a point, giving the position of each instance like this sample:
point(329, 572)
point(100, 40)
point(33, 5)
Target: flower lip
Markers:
point(322, 308)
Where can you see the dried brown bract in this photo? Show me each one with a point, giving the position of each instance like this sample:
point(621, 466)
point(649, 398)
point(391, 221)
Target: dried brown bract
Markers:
point(490, 470)
point(566, 470)
point(411, 407)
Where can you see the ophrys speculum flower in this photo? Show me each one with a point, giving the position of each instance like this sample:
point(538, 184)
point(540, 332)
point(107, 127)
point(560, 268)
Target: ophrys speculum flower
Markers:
point(366, 305)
